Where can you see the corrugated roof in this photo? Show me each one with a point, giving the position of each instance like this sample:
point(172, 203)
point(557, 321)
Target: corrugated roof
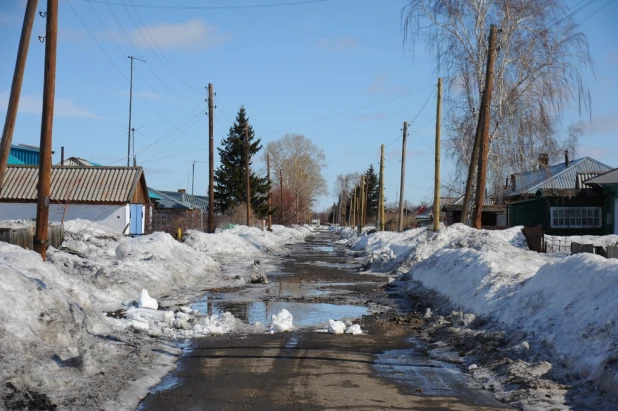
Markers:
point(74, 184)
point(609, 178)
point(13, 160)
point(78, 162)
point(166, 201)
point(196, 200)
point(558, 176)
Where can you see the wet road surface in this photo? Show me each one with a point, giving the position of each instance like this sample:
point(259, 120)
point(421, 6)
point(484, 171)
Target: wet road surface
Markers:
point(385, 368)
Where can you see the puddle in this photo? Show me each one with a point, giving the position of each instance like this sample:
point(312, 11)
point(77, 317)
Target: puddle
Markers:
point(418, 369)
point(305, 314)
point(292, 289)
point(324, 249)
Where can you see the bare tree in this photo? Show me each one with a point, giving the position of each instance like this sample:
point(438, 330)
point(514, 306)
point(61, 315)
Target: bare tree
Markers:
point(344, 184)
point(538, 72)
point(301, 162)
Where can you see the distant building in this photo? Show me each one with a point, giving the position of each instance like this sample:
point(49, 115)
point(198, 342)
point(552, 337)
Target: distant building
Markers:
point(116, 197)
point(28, 155)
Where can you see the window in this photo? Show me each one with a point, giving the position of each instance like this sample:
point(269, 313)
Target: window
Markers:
point(576, 217)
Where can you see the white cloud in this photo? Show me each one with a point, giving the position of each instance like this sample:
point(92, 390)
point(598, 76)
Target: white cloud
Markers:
point(193, 35)
point(63, 106)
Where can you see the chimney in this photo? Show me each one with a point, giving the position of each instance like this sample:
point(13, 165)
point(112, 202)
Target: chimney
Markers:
point(543, 160)
point(513, 180)
point(566, 158)
point(62, 155)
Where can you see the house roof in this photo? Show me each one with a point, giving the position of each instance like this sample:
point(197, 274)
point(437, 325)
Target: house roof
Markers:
point(195, 201)
point(558, 176)
point(165, 201)
point(74, 184)
point(609, 178)
point(13, 160)
point(79, 162)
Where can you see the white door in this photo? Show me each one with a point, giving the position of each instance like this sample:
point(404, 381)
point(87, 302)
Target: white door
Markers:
point(615, 216)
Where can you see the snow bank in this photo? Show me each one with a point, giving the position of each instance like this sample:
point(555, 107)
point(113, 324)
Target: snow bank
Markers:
point(122, 266)
point(246, 241)
point(567, 302)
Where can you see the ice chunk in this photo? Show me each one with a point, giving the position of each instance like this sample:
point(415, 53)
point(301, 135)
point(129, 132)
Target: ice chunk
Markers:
point(181, 324)
point(354, 330)
point(336, 327)
point(139, 325)
point(428, 314)
point(472, 367)
point(146, 301)
point(218, 324)
point(187, 310)
point(284, 321)
point(168, 317)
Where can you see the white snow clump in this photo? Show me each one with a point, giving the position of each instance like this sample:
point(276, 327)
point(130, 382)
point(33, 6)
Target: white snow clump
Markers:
point(284, 321)
point(146, 301)
point(336, 327)
point(354, 330)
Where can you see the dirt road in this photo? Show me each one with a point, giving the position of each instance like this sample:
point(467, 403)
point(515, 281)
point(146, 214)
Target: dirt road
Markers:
point(388, 367)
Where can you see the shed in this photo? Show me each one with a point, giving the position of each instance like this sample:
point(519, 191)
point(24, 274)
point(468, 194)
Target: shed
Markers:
point(116, 197)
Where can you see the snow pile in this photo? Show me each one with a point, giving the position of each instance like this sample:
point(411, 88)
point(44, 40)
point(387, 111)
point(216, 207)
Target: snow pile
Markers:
point(123, 266)
point(565, 302)
point(246, 241)
point(181, 323)
point(146, 301)
point(389, 250)
point(336, 327)
point(354, 329)
point(281, 322)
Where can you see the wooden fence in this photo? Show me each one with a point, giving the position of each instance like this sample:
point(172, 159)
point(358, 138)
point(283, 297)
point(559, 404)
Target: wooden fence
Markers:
point(24, 237)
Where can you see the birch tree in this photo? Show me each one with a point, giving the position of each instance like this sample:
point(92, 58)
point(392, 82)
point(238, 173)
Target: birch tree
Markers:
point(539, 72)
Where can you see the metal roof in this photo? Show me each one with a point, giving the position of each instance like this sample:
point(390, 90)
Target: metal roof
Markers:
point(78, 162)
point(609, 178)
point(14, 160)
point(166, 201)
point(558, 176)
point(196, 200)
point(73, 184)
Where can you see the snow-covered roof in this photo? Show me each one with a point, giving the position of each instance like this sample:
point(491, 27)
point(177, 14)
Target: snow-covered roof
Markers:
point(559, 176)
point(77, 184)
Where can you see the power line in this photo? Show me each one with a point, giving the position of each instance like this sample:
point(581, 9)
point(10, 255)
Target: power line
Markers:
point(254, 6)
point(346, 112)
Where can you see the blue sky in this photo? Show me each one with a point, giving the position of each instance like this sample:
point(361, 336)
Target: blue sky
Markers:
point(335, 71)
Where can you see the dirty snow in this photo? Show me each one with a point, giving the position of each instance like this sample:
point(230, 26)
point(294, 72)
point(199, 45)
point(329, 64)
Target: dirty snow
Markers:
point(58, 339)
point(565, 304)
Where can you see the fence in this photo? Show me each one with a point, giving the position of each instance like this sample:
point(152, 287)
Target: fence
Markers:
point(24, 237)
point(171, 220)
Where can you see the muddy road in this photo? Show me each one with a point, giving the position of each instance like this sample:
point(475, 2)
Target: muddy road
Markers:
point(388, 367)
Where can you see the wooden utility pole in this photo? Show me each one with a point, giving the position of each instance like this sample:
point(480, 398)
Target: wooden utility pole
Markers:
point(281, 193)
point(270, 217)
point(481, 175)
point(18, 77)
point(380, 224)
point(436, 191)
point(472, 166)
point(211, 160)
point(361, 208)
point(403, 176)
point(47, 121)
point(130, 107)
point(248, 175)
point(353, 209)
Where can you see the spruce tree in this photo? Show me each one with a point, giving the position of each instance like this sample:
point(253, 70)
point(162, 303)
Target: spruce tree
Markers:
point(230, 177)
point(373, 193)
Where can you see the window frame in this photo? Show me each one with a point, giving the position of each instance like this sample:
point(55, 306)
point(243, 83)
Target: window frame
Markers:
point(561, 217)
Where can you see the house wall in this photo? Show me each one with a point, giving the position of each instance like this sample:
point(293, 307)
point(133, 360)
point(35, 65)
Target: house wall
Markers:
point(530, 213)
point(113, 216)
point(609, 210)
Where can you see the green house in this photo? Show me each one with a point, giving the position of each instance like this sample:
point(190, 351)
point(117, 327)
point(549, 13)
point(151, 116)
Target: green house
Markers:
point(609, 183)
point(561, 198)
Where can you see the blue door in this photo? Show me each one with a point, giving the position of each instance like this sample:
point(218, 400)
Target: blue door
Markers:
point(135, 226)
